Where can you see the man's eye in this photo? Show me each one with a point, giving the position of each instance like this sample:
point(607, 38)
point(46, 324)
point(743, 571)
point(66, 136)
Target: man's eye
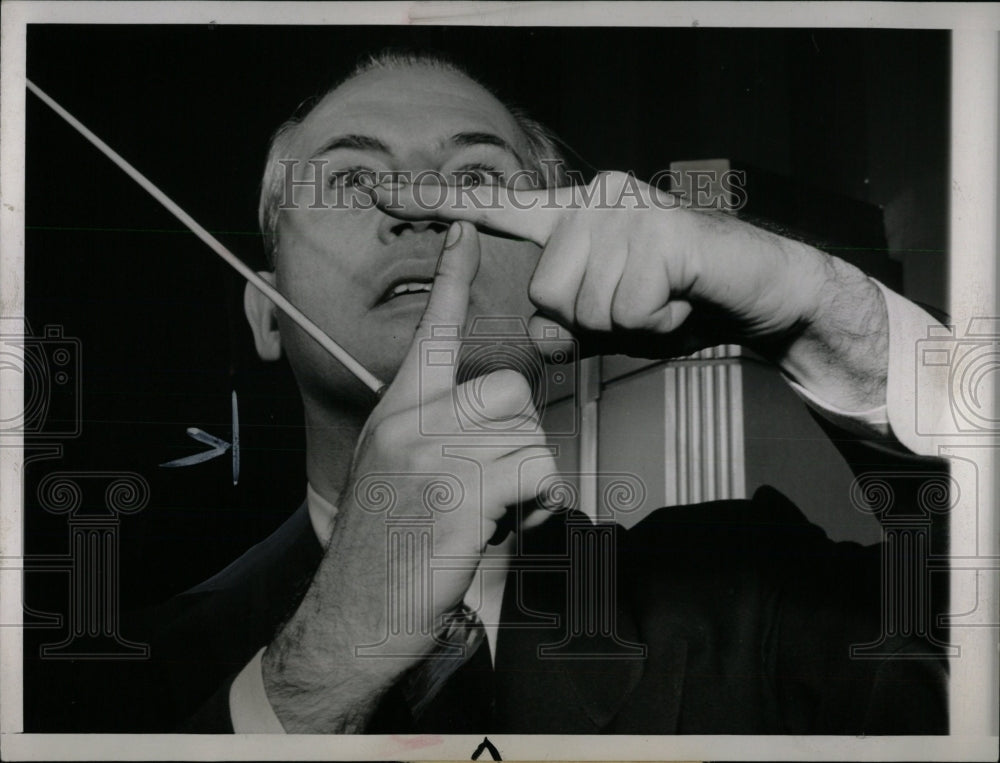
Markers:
point(476, 175)
point(353, 177)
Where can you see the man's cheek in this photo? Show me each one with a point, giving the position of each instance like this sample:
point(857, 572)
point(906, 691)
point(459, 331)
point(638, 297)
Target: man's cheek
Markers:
point(386, 354)
point(507, 265)
point(336, 227)
point(504, 291)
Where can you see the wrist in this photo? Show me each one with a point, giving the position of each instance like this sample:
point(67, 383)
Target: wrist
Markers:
point(839, 348)
point(314, 693)
point(312, 676)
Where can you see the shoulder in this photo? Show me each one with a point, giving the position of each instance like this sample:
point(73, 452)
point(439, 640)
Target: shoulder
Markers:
point(235, 611)
point(289, 552)
point(745, 550)
point(202, 637)
point(766, 524)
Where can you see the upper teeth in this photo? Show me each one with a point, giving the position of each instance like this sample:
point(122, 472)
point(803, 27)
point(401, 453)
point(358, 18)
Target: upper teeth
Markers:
point(412, 286)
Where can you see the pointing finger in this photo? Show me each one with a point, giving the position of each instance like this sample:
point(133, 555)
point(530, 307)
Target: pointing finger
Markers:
point(442, 321)
point(456, 269)
point(528, 214)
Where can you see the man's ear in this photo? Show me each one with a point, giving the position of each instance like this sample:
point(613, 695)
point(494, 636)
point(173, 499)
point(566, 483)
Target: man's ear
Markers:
point(262, 316)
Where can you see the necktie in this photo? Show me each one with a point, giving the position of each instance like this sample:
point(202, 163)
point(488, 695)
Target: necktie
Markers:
point(451, 690)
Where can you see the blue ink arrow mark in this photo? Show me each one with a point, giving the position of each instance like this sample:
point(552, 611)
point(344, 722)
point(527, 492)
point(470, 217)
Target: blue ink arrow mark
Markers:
point(218, 446)
point(236, 441)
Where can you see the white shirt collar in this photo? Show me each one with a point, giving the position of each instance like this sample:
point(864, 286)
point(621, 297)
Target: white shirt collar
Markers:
point(321, 514)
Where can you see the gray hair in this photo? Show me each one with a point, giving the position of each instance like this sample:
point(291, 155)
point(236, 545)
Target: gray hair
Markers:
point(545, 159)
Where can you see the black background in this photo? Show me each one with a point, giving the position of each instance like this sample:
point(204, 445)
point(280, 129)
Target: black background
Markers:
point(159, 318)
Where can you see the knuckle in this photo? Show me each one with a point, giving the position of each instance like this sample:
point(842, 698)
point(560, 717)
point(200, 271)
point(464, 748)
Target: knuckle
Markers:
point(538, 464)
point(519, 402)
point(542, 293)
point(502, 394)
point(536, 440)
point(513, 383)
point(626, 316)
point(537, 480)
point(589, 315)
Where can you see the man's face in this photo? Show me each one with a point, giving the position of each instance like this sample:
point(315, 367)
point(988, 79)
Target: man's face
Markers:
point(343, 266)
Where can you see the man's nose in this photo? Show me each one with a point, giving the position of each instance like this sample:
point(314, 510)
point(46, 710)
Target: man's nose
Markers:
point(392, 228)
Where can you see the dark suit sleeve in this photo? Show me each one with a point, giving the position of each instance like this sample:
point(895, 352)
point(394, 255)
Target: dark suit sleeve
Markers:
point(213, 717)
point(198, 643)
point(839, 661)
point(182, 685)
point(766, 610)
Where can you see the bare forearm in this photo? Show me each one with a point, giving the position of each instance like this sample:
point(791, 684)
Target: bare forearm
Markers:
point(820, 319)
point(840, 350)
point(316, 691)
point(315, 680)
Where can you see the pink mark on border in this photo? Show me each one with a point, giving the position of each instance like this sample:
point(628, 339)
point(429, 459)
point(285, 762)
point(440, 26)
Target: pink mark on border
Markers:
point(416, 742)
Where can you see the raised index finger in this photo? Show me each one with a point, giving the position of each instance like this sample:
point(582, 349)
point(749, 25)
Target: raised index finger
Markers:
point(426, 371)
point(529, 214)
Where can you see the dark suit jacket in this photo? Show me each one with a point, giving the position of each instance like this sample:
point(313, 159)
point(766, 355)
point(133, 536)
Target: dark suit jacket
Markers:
point(744, 613)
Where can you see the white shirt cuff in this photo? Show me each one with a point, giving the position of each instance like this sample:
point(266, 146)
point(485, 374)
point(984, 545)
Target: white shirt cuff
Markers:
point(249, 708)
point(873, 422)
point(917, 410)
point(918, 394)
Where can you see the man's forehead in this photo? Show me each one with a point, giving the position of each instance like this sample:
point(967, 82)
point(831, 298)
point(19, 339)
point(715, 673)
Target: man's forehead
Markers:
point(416, 103)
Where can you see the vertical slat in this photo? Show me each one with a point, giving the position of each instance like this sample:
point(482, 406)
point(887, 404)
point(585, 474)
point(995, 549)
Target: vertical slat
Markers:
point(709, 415)
point(682, 441)
point(590, 393)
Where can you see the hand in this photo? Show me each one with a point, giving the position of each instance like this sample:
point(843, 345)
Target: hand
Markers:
point(312, 675)
point(629, 271)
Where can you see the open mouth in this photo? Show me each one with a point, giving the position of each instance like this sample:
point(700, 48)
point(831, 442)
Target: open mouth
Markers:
point(405, 287)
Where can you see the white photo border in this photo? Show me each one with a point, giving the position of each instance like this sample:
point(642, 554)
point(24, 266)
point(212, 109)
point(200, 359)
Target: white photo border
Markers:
point(973, 246)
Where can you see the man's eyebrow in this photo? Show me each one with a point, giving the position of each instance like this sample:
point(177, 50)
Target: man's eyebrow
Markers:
point(483, 138)
point(357, 142)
